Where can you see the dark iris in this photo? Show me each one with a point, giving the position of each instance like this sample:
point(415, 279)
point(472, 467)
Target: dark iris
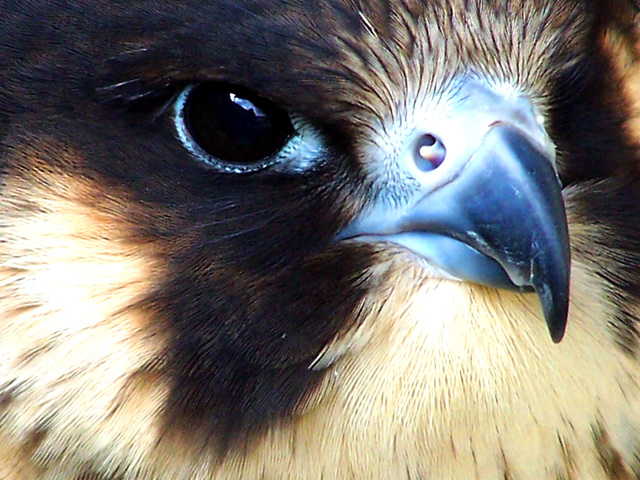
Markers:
point(234, 126)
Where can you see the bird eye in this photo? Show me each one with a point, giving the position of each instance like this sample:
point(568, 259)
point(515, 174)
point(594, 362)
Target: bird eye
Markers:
point(231, 130)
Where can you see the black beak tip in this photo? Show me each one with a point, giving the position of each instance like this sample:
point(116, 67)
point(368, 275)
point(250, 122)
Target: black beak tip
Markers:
point(556, 312)
point(557, 328)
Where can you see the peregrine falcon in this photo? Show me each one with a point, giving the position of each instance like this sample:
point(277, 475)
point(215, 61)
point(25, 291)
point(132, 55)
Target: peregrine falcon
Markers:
point(338, 239)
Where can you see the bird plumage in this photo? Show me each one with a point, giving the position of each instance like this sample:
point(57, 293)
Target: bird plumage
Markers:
point(163, 318)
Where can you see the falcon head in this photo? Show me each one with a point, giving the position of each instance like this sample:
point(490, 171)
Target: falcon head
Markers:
point(344, 239)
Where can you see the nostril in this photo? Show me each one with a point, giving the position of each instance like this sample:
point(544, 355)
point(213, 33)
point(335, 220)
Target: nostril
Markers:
point(429, 140)
point(430, 152)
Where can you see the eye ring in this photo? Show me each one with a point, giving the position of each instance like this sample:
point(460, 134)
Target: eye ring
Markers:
point(261, 115)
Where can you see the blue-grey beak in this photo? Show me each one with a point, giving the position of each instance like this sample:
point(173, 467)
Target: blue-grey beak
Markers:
point(494, 215)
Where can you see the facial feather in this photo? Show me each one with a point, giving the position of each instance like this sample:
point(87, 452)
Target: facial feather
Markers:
point(162, 320)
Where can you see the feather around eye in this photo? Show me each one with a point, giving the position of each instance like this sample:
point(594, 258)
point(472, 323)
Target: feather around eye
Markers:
point(140, 96)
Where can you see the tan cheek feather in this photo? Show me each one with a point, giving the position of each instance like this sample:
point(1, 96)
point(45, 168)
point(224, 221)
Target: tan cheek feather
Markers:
point(626, 60)
point(75, 372)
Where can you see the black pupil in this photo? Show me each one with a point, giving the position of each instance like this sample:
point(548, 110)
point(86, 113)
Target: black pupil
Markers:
point(234, 127)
